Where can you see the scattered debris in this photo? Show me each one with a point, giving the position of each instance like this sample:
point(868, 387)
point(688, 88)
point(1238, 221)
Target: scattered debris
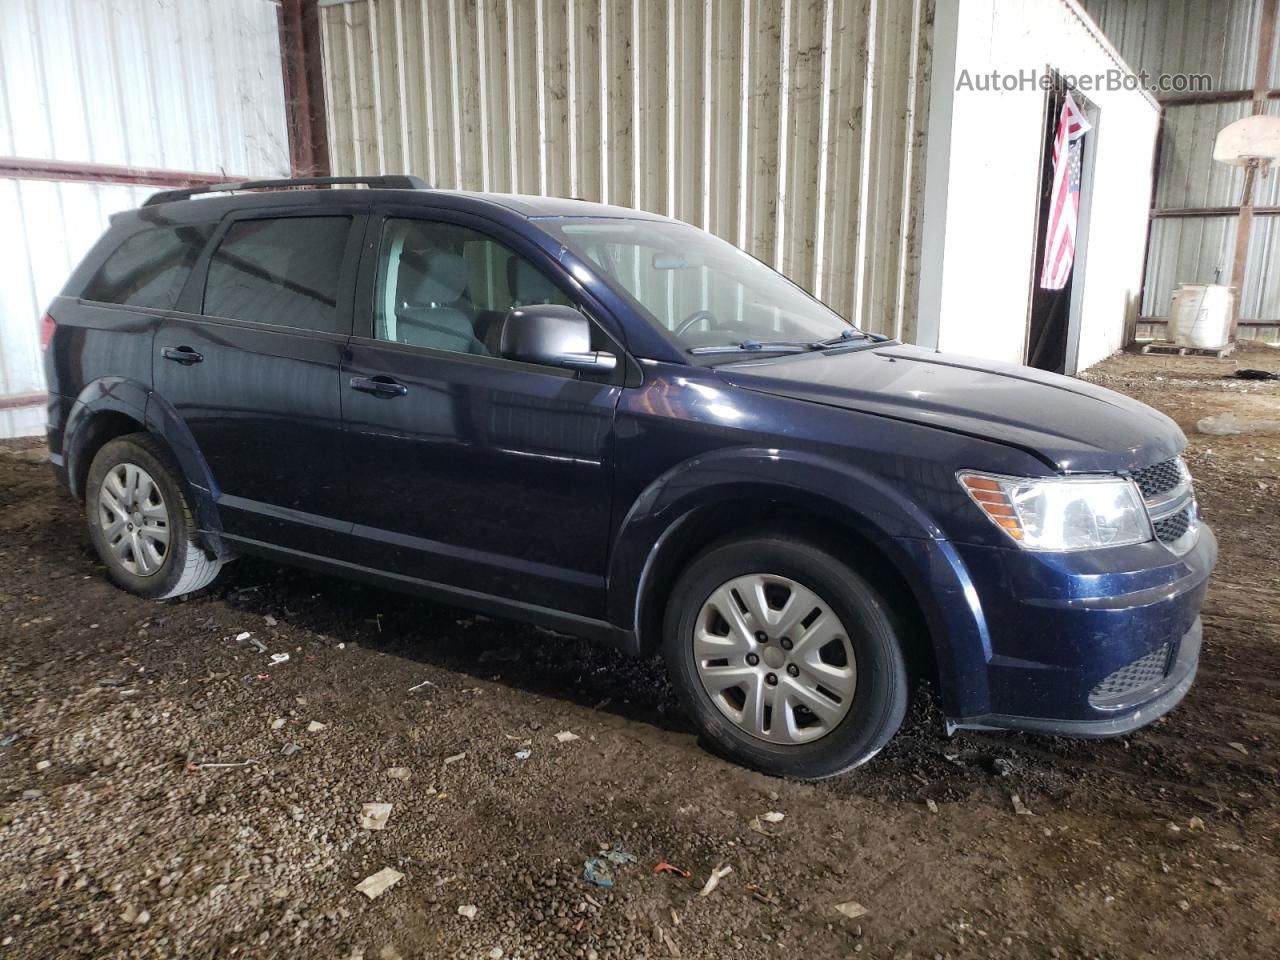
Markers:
point(32, 794)
point(713, 881)
point(1019, 807)
point(376, 884)
point(665, 867)
point(564, 736)
point(374, 816)
point(1247, 373)
point(112, 682)
point(289, 749)
point(595, 870)
point(851, 909)
point(467, 910)
point(760, 828)
point(43, 764)
point(8, 739)
point(419, 686)
point(398, 773)
point(455, 758)
point(269, 620)
point(277, 658)
point(523, 754)
point(315, 726)
point(773, 816)
point(224, 766)
point(929, 802)
point(1195, 823)
point(135, 916)
point(243, 636)
point(1234, 745)
point(277, 723)
point(1231, 424)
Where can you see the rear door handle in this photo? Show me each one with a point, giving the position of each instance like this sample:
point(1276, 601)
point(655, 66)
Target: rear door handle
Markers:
point(379, 386)
point(183, 355)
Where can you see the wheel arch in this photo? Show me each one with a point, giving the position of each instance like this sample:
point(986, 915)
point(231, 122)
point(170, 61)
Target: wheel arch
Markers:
point(113, 407)
point(885, 537)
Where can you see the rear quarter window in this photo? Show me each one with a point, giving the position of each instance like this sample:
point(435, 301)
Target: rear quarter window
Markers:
point(150, 268)
point(284, 271)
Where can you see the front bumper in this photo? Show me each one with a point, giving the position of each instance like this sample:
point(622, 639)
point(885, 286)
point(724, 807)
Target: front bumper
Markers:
point(1090, 644)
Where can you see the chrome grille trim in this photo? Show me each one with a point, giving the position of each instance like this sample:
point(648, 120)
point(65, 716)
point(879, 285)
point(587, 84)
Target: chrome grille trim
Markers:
point(1171, 505)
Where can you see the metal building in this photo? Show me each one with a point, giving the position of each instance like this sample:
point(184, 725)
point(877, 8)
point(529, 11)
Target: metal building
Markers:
point(1196, 206)
point(101, 103)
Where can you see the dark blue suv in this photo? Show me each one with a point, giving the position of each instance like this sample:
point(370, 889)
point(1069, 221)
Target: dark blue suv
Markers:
point(618, 426)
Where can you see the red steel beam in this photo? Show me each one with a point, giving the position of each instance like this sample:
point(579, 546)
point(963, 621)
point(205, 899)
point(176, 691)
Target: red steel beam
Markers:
point(29, 168)
point(17, 400)
point(302, 69)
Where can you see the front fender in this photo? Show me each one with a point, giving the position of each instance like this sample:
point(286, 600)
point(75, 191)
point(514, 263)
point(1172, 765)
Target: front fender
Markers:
point(854, 498)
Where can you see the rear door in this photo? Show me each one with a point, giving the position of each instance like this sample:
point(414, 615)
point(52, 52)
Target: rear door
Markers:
point(467, 469)
point(252, 368)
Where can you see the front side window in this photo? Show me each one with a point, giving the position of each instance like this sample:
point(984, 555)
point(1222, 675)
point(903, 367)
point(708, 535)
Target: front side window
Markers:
point(703, 291)
point(450, 288)
point(284, 271)
point(150, 268)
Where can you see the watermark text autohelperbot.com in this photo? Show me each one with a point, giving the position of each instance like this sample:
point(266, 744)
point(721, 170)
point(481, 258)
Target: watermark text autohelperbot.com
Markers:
point(1030, 78)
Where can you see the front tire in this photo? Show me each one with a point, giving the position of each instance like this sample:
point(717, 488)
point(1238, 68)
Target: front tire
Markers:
point(141, 523)
point(787, 660)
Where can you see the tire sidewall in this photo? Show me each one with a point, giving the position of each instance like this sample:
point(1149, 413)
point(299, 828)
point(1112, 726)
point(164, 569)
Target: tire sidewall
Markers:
point(127, 450)
point(880, 694)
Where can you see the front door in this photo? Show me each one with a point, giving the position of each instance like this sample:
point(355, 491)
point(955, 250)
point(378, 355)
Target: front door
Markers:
point(467, 469)
point(253, 371)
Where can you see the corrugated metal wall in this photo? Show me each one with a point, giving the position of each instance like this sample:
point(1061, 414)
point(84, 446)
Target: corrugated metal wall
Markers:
point(793, 129)
point(172, 84)
point(1218, 38)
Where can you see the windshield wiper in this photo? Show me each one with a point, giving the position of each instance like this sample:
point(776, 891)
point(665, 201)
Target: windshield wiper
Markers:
point(757, 346)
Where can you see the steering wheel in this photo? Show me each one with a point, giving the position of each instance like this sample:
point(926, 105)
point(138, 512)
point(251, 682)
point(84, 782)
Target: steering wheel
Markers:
point(693, 318)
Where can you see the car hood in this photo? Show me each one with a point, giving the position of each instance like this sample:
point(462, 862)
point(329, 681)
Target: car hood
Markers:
point(1068, 423)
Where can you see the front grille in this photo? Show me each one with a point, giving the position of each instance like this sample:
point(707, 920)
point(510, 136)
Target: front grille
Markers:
point(1134, 676)
point(1158, 479)
point(1171, 528)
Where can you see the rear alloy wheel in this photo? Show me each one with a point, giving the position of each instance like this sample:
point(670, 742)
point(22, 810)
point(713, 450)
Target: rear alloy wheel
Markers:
point(134, 519)
point(788, 661)
point(140, 521)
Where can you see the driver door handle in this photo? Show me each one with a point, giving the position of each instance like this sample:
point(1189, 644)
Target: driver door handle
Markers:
point(184, 355)
point(379, 386)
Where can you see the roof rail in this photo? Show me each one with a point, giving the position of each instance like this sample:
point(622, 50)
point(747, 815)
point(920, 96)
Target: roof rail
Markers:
point(395, 182)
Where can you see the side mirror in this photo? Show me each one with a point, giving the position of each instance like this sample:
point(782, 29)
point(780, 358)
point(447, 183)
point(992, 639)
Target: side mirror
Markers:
point(554, 336)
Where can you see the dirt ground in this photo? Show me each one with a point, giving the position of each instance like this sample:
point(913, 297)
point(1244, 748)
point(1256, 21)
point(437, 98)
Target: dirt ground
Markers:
point(120, 835)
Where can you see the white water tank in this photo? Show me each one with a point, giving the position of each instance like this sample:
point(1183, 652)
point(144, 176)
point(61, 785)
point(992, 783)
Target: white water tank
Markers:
point(1200, 315)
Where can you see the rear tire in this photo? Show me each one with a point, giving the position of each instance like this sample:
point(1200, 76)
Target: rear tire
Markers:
point(825, 690)
point(141, 522)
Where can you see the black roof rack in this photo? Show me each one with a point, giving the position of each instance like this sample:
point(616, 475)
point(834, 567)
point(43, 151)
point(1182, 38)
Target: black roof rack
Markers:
point(394, 182)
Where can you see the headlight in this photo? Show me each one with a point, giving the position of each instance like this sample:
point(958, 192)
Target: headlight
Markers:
point(1061, 514)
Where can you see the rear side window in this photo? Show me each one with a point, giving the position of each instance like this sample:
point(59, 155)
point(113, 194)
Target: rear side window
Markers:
point(285, 272)
point(150, 268)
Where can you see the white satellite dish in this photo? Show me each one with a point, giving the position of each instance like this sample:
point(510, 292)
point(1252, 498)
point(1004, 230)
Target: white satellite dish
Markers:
point(1250, 142)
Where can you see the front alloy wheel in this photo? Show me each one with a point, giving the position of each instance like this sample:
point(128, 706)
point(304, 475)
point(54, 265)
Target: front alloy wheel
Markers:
point(775, 658)
point(785, 658)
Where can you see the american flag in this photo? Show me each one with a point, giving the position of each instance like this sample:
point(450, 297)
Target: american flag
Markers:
point(1064, 203)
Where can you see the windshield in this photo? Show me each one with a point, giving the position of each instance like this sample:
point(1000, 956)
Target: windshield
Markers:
point(704, 292)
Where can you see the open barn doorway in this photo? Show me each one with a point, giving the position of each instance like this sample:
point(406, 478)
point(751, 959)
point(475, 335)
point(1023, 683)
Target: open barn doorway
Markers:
point(1066, 186)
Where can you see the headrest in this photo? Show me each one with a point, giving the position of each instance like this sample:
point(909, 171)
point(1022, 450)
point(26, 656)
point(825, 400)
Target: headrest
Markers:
point(527, 283)
point(442, 282)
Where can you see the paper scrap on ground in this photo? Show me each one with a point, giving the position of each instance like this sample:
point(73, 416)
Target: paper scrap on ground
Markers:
point(398, 773)
point(714, 880)
point(564, 736)
point(315, 726)
point(374, 816)
point(852, 909)
point(376, 884)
